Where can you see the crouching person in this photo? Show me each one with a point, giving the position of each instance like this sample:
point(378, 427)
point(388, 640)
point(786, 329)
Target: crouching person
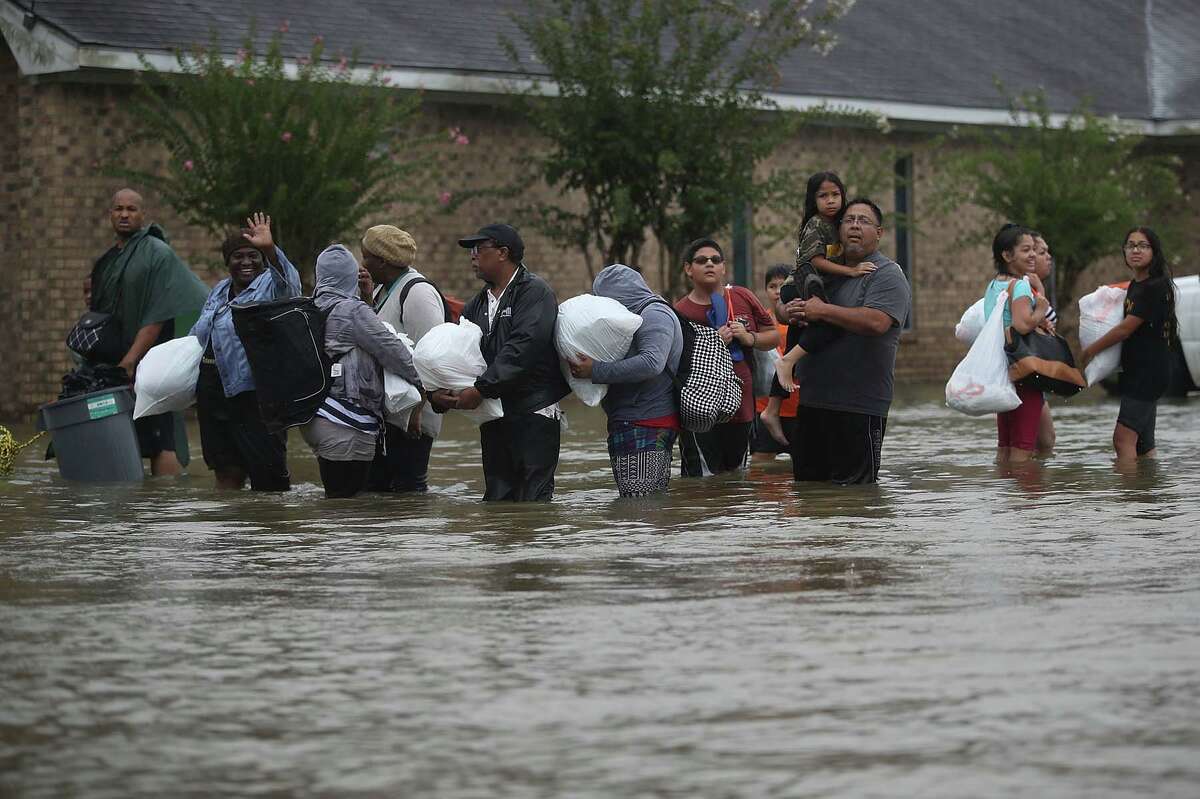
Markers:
point(344, 432)
point(643, 420)
point(235, 441)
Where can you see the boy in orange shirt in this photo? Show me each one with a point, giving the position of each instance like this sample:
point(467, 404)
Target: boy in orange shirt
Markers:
point(773, 432)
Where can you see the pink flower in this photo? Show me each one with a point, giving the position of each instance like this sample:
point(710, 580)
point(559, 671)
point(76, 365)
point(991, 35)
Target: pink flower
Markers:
point(318, 39)
point(249, 81)
point(378, 65)
point(461, 139)
point(188, 166)
point(385, 80)
point(444, 198)
point(286, 136)
point(343, 65)
point(454, 133)
point(284, 26)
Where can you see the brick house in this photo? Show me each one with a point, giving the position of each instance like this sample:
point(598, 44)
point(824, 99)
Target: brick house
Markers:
point(66, 69)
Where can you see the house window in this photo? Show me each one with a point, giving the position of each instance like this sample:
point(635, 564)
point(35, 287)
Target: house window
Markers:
point(903, 226)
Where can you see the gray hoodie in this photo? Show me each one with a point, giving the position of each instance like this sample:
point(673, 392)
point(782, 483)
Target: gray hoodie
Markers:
point(354, 332)
point(639, 385)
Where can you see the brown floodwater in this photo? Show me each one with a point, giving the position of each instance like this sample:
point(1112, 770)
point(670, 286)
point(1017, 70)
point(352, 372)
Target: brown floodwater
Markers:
point(957, 630)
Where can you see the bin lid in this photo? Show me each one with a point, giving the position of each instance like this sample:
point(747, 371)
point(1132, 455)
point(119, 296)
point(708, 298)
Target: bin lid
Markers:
point(86, 407)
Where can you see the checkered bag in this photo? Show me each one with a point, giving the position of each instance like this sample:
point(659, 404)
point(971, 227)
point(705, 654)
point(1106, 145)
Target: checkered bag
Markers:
point(96, 338)
point(709, 391)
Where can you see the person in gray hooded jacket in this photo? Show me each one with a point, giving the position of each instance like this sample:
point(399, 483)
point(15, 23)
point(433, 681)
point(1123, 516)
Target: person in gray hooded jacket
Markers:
point(643, 419)
point(347, 425)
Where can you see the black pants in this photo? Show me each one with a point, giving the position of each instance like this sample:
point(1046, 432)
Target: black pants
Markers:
point(343, 479)
point(837, 446)
point(722, 449)
point(520, 454)
point(233, 436)
point(401, 463)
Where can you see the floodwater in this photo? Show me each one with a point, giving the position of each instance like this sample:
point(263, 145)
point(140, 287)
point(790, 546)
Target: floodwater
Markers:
point(956, 631)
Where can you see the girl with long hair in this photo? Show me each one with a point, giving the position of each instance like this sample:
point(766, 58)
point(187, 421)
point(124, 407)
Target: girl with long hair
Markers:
point(1146, 332)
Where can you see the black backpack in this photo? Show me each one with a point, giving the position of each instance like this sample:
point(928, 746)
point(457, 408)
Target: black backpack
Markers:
point(285, 346)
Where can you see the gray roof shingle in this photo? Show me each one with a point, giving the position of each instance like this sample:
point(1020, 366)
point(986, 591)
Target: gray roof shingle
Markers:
point(1138, 59)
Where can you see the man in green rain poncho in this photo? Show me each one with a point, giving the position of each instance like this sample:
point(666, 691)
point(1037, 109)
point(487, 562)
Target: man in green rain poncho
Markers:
point(145, 285)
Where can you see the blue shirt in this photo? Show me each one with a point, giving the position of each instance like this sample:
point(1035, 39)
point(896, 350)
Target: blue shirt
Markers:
point(216, 320)
point(1020, 289)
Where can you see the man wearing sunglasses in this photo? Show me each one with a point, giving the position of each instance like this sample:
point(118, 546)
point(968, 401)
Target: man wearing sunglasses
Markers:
point(516, 311)
point(846, 388)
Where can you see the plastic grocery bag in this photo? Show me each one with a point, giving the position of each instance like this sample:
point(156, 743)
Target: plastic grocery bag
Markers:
point(1100, 312)
point(399, 395)
point(980, 383)
point(600, 328)
point(448, 357)
point(166, 377)
point(967, 329)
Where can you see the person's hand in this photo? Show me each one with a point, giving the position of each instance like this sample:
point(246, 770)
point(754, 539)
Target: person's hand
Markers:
point(812, 309)
point(864, 268)
point(469, 399)
point(1086, 357)
point(366, 286)
point(793, 310)
point(1047, 325)
point(443, 400)
point(414, 422)
point(258, 233)
point(725, 332)
point(130, 367)
point(581, 366)
point(1036, 283)
point(740, 332)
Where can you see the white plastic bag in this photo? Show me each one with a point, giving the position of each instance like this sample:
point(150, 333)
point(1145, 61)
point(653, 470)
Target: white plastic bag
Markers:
point(967, 329)
point(600, 328)
point(980, 383)
point(1100, 312)
point(399, 395)
point(448, 357)
point(166, 377)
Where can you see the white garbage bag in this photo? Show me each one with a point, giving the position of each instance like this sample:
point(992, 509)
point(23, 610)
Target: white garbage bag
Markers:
point(980, 383)
point(166, 377)
point(448, 357)
point(600, 328)
point(967, 329)
point(399, 395)
point(1100, 312)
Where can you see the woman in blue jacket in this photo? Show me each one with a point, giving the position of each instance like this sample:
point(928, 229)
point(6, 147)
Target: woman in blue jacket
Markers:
point(235, 441)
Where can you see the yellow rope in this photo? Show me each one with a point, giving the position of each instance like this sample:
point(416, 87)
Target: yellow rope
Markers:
point(9, 449)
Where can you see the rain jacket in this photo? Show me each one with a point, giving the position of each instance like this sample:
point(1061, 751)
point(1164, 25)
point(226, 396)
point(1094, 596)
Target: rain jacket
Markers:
point(354, 337)
point(523, 369)
point(640, 386)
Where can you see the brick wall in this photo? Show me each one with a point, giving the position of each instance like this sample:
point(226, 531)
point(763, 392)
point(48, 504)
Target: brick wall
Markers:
point(56, 199)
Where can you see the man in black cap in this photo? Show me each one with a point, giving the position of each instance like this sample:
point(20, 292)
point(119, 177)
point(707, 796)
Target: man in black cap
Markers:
point(516, 311)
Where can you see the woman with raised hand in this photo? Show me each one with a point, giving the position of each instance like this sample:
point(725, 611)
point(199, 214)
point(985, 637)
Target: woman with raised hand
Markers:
point(1146, 333)
point(235, 441)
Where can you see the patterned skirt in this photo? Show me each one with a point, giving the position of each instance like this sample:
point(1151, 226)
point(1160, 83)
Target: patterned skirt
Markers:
point(641, 457)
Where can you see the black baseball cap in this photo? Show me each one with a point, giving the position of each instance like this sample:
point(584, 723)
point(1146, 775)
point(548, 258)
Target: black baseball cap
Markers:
point(503, 235)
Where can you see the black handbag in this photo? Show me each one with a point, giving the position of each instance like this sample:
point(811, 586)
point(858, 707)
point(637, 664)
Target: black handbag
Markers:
point(1042, 361)
point(97, 336)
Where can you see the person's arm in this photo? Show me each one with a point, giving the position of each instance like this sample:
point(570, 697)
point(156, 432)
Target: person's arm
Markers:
point(647, 357)
point(1028, 312)
point(385, 348)
point(1122, 331)
point(142, 342)
point(861, 321)
point(828, 267)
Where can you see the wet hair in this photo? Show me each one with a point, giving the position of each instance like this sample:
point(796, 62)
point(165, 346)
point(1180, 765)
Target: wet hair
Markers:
point(1159, 269)
point(862, 201)
point(700, 244)
point(776, 272)
point(1007, 239)
point(810, 194)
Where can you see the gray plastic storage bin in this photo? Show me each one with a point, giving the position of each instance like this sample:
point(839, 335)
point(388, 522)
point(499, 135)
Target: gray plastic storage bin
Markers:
point(94, 439)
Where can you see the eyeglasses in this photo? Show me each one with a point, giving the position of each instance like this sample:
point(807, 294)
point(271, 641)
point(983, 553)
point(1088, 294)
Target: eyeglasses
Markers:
point(701, 260)
point(1139, 246)
point(477, 247)
point(865, 221)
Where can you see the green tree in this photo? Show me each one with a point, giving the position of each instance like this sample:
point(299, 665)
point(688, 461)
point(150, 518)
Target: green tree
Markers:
point(1082, 184)
point(657, 116)
point(312, 144)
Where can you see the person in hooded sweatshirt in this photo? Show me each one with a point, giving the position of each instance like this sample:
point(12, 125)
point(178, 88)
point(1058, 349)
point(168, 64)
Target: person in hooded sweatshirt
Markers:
point(643, 419)
point(348, 424)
